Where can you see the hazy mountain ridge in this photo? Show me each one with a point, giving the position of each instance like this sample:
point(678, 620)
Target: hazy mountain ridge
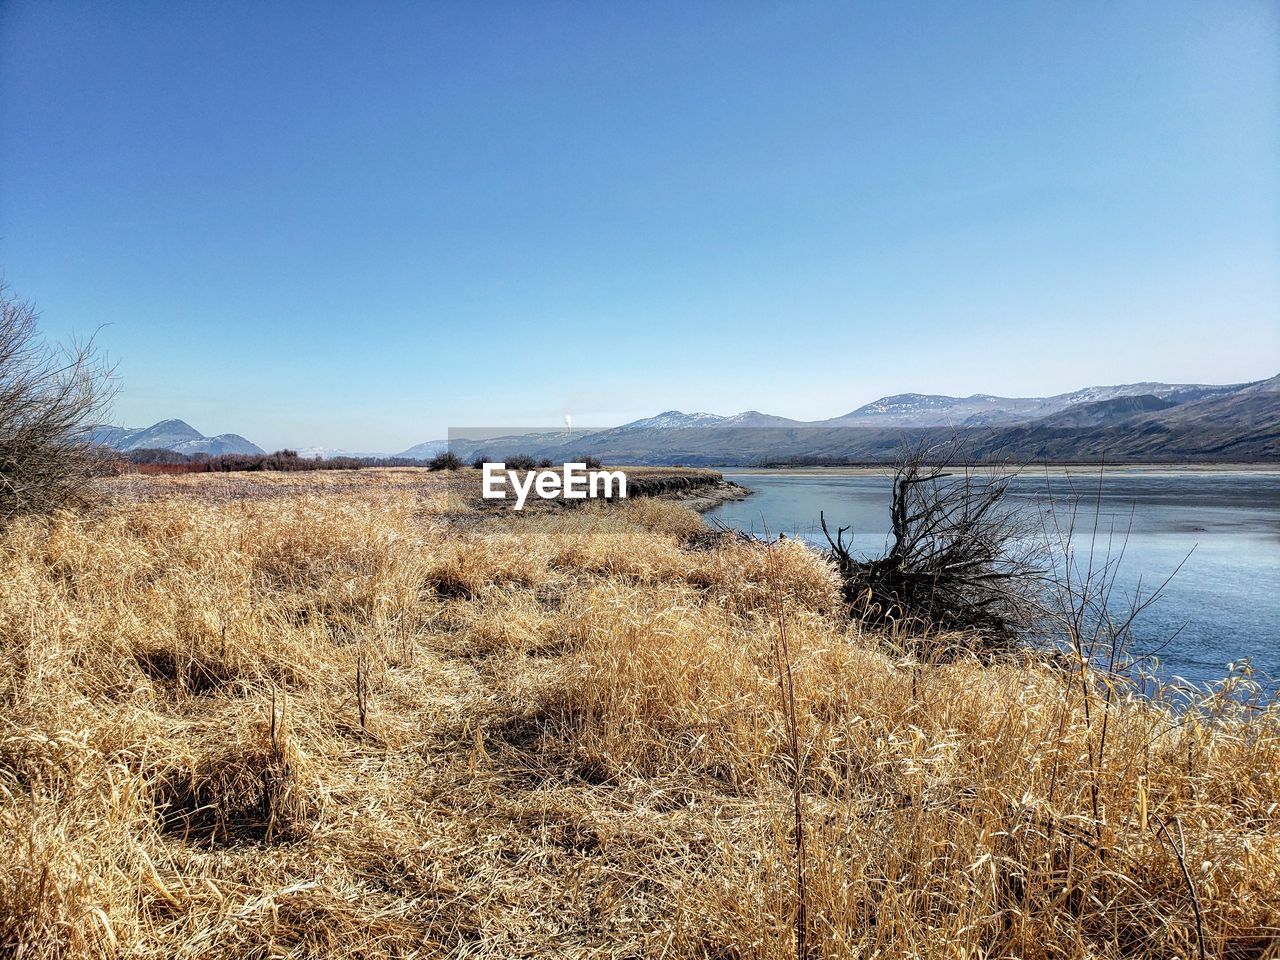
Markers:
point(675, 419)
point(1138, 421)
point(1099, 413)
point(1135, 422)
point(981, 409)
point(338, 453)
point(425, 450)
point(176, 435)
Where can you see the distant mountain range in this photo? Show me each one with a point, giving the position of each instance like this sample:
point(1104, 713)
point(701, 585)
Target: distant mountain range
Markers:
point(425, 450)
point(176, 435)
point(1156, 422)
point(330, 453)
point(1151, 422)
point(929, 410)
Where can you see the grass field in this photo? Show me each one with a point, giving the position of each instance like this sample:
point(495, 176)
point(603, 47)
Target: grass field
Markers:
point(309, 715)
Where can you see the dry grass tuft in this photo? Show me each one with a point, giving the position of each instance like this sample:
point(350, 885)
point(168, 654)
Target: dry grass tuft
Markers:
point(306, 715)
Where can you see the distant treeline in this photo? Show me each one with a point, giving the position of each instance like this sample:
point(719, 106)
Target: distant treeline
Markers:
point(171, 462)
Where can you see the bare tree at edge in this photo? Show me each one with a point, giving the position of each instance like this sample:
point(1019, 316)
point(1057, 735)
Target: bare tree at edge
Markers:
point(51, 396)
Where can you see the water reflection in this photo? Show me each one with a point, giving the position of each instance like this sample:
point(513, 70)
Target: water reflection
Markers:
point(1224, 605)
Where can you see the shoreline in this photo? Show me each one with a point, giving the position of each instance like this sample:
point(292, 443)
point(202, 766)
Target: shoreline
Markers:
point(702, 499)
point(1147, 469)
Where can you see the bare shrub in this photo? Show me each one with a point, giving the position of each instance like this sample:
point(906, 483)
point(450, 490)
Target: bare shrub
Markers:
point(282, 461)
point(521, 461)
point(448, 460)
point(50, 397)
point(962, 555)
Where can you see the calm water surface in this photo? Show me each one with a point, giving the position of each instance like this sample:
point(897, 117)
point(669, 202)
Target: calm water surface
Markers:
point(1223, 606)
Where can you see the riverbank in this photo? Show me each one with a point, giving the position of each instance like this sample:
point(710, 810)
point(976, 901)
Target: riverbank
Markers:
point(1218, 530)
point(696, 488)
point(712, 495)
point(1109, 469)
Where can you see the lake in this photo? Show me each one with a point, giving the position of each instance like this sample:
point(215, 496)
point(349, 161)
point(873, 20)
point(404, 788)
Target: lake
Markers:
point(1223, 605)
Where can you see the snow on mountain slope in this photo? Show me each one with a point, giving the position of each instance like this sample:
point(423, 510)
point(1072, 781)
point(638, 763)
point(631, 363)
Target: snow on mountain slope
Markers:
point(754, 418)
point(176, 435)
point(1100, 413)
point(983, 409)
point(164, 435)
point(675, 419)
point(215, 446)
point(425, 450)
point(1101, 407)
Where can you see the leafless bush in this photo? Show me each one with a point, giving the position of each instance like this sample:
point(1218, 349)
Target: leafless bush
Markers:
point(521, 461)
point(1086, 613)
point(448, 460)
point(1089, 620)
point(962, 556)
point(50, 397)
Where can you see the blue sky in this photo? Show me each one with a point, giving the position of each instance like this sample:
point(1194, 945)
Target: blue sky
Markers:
point(356, 225)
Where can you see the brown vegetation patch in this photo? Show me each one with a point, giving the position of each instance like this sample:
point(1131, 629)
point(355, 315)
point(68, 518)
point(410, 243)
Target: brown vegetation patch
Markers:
point(308, 718)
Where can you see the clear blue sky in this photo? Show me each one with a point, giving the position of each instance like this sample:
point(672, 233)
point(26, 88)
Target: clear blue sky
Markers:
point(356, 225)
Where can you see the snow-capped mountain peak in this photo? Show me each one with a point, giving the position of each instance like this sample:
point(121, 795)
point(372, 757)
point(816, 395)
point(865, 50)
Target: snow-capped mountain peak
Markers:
point(902, 403)
point(754, 418)
point(675, 419)
point(176, 435)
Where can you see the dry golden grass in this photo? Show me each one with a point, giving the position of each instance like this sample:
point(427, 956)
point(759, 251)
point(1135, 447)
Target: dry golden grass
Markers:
point(300, 715)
